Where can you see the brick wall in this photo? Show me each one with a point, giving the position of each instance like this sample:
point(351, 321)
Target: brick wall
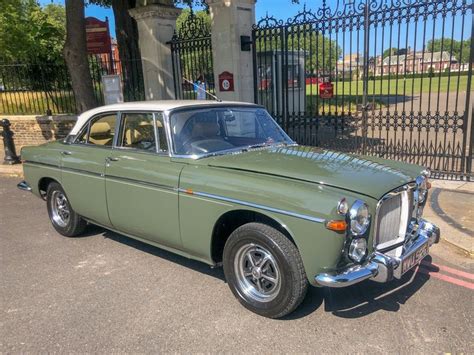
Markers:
point(34, 130)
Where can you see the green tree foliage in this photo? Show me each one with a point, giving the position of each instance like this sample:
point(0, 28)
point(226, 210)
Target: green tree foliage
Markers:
point(460, 49)
point(201, 16)
point(33, 36)
point(389, 51)
point(29, 32)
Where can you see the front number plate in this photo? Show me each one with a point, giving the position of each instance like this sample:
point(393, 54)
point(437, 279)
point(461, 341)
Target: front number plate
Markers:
point(415, 258)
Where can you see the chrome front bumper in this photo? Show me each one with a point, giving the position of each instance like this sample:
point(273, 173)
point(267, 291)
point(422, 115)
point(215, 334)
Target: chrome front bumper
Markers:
point(380, 267)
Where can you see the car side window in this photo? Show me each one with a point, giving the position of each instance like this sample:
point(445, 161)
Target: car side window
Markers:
point(102, 130)
point(138, 131)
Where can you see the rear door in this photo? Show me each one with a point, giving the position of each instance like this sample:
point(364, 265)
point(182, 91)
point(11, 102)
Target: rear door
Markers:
point(142, 181)
point(83, 167)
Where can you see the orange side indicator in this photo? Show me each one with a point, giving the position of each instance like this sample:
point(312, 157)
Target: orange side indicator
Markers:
point(189, 191)
point(337, 226)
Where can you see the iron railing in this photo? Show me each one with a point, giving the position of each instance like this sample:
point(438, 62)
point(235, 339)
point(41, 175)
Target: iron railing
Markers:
point(45, 88)
point(401, 72)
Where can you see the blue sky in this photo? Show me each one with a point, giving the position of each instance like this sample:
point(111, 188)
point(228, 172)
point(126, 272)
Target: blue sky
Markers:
point(284, 9)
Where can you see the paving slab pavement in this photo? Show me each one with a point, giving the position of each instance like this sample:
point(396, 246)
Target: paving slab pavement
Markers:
point(451, 207)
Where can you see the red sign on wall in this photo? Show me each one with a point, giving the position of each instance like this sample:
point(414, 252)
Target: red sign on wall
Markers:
point(326, 90)
point(97, 36)
point(226, 81)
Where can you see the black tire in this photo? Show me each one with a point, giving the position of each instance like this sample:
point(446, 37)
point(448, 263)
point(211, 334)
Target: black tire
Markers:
point(288, 270)
point(72, 226)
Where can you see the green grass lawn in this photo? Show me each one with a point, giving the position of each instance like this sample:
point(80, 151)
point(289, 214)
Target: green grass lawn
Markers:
point(389, 87)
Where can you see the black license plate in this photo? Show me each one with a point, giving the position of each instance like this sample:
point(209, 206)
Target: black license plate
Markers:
point(415, 258)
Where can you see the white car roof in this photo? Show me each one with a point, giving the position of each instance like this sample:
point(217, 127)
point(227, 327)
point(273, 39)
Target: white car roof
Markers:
point(162, 105)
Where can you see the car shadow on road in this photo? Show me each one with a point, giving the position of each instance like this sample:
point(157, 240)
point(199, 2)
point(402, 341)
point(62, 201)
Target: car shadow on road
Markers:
point(369, 297)
point(150, 249)
point(350, 302)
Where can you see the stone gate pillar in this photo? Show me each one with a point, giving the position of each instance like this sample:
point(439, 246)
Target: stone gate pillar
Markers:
point(232, 19)
point(156, 23)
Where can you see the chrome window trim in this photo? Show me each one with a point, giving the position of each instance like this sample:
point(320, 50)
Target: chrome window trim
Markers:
point(395, 192)
point(254, 205)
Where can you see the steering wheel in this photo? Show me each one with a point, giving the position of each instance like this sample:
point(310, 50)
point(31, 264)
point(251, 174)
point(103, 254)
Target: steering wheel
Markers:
point(187, 143)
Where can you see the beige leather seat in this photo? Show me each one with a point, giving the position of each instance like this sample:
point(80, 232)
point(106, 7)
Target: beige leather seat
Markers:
point(101, 134)
point(134, 135)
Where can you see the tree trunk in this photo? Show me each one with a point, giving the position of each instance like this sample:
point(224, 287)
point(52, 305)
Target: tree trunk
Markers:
point(75, 55)
point(129, 52)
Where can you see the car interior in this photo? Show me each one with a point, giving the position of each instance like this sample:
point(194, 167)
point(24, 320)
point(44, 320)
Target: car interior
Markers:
point(215, 130)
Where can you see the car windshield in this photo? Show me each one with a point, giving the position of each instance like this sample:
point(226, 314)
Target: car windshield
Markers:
point(212, 130)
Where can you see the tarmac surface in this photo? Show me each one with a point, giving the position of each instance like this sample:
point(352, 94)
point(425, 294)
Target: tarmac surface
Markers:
point(104, 292)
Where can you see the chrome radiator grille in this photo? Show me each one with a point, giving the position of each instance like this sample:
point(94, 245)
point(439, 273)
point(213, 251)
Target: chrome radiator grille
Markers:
point(393, 218)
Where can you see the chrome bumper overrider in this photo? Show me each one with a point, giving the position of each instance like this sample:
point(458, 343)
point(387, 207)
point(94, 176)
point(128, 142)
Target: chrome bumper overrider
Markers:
point(24, 186)
point(380, 267)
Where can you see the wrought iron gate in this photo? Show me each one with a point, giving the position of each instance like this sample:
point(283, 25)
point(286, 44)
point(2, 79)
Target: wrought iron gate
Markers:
point(401, 72)
point(191, 52)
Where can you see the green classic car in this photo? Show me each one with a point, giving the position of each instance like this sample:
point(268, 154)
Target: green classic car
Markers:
point(222, 183)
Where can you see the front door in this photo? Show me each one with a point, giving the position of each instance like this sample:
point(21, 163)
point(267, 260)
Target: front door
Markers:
point(83, 168)
point(142, 182)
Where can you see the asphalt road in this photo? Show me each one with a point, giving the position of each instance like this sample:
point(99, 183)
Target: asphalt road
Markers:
point(104, 292)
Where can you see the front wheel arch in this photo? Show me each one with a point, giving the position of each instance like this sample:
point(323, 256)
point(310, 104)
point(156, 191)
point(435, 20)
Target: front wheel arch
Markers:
point(231, 220)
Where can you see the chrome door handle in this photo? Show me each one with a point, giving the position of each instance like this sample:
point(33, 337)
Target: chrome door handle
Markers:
point(65, 152)
point(109, 159)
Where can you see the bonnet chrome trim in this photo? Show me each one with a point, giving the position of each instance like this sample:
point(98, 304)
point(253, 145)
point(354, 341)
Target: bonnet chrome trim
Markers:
point(254, 205)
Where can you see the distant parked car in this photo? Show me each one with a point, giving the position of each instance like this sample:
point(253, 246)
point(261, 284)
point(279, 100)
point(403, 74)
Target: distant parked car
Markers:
point(223, 184)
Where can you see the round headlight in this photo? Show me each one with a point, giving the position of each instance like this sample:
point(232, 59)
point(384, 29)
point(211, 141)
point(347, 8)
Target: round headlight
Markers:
point(358, 249)
point(359, 217)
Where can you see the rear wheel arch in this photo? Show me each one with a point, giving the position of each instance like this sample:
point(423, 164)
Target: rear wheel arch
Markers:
point(231, 220)
point(43, 184)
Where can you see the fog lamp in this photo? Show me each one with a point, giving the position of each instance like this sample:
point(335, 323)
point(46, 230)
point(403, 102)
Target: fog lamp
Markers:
point(358, 249)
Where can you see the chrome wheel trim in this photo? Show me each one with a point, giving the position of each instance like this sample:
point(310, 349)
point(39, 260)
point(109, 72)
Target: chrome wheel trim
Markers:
point(60, 209)
point(257, 272)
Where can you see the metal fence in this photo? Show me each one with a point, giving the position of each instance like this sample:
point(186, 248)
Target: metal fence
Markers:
point(401, 75)
point(191, 51)
point(39, 88)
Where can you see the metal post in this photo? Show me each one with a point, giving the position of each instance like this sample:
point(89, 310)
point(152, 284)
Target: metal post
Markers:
point(255, 69)
point(8, 143)
point(366, 77)
point(469, 111)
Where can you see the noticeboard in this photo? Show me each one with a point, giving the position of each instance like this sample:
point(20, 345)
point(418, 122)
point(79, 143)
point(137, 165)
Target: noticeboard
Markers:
point(112, 89)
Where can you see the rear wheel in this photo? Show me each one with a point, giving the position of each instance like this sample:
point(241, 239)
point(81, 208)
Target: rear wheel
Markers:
point(264, 270)
point(64, 219)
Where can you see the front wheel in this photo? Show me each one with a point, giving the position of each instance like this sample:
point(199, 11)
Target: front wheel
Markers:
point(264, 270)
point(64, 219)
